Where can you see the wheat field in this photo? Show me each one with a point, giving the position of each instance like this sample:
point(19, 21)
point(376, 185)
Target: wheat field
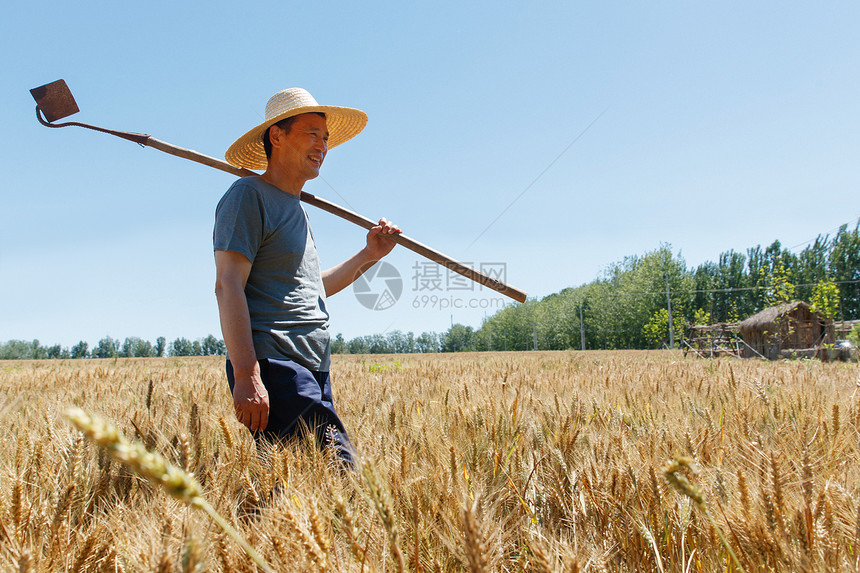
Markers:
point(469, 462)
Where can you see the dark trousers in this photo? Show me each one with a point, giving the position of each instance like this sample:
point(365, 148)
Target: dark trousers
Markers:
point(300, 400)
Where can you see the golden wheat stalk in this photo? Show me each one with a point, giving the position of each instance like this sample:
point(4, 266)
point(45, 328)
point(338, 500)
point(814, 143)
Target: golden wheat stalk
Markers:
point(675, 473)
point(381, 499)
point(178, 483)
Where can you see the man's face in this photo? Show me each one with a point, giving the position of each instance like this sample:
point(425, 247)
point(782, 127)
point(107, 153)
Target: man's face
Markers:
point(304, 147)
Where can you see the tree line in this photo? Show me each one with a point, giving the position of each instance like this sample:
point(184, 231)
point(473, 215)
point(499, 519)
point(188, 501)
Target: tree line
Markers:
point(628, 306)
point(399, 342)
point(107, 347)
point(625, 307)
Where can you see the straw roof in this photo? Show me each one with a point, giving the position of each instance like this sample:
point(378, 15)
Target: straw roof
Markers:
point(767, 317)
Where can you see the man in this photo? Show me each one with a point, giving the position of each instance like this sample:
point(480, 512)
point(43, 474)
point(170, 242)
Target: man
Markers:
point(270, 290)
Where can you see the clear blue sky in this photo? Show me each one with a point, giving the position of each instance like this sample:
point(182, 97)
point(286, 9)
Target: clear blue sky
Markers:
point(724, 125)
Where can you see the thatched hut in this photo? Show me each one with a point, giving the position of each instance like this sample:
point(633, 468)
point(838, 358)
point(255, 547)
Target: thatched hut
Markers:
point(789, 329)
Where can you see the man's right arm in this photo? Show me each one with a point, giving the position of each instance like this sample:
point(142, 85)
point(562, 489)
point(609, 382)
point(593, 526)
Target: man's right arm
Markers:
point(250, 398)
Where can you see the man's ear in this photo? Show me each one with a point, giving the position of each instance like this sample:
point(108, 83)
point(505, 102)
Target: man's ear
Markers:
point(275, 134)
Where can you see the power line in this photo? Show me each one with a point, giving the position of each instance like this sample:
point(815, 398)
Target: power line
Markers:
point(828, 233)
point(535, 180)
point(715, 290)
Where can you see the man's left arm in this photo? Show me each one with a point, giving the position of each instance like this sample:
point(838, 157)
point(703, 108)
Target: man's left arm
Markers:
point(378, 245)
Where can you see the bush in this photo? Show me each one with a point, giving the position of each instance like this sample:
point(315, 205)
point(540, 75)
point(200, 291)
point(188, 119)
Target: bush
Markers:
point(854, 336)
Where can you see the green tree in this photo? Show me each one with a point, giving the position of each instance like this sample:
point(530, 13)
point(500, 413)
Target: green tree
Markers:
point(134, 347)
point(379, 344)
point(701, 317)
point(730, 303)
point(338, 345)
point(212, 346)
point(427, 342)
point(510, 328)
point(631, 292)
point(402, 343)
point(734, 314)
point(160, 346)
point(656, 330)
point(58, 351)
point(825, 299)
point(843, 266)
point(757, 271)
point(182, 347)
point(778, 289)
point(556, 320)
point(705, 279)
point(38, 352)
point(359, 345)
point(106, 348)
point(458, 338)
point(17, 350)
point(811, 267)
point(80, 350)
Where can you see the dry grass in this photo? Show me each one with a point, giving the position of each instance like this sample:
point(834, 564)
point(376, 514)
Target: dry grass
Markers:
point(476, 462)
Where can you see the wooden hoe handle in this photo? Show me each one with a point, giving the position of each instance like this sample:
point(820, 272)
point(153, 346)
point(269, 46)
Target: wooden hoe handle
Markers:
point(352, 217)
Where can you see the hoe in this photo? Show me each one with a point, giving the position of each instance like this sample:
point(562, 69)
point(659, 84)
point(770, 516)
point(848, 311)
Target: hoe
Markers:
point(54, 101)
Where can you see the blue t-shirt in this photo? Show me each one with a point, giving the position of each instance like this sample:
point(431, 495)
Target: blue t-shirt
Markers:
point(285, 292)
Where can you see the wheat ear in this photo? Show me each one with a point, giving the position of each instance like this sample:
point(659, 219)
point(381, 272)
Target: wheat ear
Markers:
point(382, 502)
point(675, 473)
point(178, 483)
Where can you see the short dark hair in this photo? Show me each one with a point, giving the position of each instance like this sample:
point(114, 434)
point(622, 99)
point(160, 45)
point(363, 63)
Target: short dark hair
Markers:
point(285, 125)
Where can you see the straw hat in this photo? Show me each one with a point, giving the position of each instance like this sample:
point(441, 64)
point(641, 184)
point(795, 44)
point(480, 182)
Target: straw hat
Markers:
point(343, 124)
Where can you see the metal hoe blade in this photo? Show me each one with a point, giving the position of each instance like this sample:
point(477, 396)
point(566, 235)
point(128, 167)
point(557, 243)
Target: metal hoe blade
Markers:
point(55, 100)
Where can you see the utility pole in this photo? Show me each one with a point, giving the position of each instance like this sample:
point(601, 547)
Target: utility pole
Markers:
point(669, 305)
point(534, 334)
point(581, 328)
